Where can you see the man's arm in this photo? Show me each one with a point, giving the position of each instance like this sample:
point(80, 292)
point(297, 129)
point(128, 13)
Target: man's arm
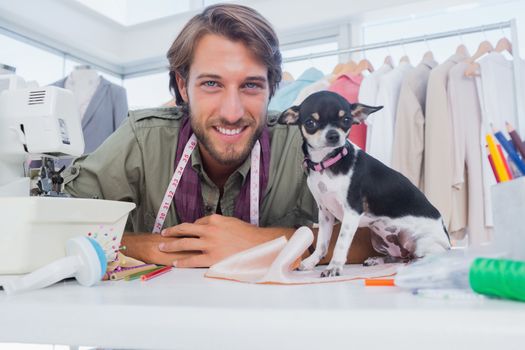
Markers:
point(216, 237)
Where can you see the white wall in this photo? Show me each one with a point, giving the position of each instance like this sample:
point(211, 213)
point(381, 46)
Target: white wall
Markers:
point(73, 27)
point(335, 24)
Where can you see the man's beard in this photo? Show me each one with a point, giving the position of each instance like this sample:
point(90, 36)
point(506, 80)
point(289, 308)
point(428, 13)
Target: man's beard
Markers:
point(230, 157)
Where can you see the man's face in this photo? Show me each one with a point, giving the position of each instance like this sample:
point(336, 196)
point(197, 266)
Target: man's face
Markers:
point(227, 91)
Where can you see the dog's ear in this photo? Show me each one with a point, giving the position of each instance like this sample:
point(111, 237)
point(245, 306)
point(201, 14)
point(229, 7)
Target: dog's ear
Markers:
point(360, 112)
point(289, 116)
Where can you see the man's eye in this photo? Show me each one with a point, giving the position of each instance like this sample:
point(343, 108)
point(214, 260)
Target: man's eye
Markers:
point(251, 85)
point(210, 83)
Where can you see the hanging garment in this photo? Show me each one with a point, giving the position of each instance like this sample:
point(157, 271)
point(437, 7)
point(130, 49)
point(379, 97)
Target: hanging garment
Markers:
point(465, 114)
point(368, 92)
point(409, 129)
point(438, 161)
point(104, 113)
point(285, 97)
point(347, 85)
point(320, 85)
point(382, 122)
point(496, 94)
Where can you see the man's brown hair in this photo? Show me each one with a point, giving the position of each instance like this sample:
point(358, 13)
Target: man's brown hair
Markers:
point(235, 22)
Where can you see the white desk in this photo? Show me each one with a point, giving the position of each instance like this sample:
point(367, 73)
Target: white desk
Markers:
point(184, 310)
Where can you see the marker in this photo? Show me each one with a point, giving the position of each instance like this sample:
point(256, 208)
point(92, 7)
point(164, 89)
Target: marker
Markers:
point(155, 273)
point(379, 282)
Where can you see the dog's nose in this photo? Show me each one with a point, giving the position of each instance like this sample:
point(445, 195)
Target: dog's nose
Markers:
point(332, 136)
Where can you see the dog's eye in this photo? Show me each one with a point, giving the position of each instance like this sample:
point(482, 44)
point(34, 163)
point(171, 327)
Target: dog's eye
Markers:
point(346, 121)
point(310, 124)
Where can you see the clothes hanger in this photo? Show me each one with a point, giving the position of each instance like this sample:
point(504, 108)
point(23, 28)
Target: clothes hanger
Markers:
point(347, 68)
point(338, 68)
point(404, 58)
point(503, 44)
point(287, 76)
point(362, 65)
point(429, 55)
point(473, 67)
point(389, 61)
point(461, 49)
point(350, 66)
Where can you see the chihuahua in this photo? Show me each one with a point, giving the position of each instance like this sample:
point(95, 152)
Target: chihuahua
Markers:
point(358, 190)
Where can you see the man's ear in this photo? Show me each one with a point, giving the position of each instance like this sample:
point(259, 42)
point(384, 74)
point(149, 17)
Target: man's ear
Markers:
point(181, 84)
point(289, 116)
point(360, 112)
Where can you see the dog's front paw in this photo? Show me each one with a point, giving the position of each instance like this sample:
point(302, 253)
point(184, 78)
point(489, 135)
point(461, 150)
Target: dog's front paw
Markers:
point(308, 263)
point(374, 260)
point(332, 271)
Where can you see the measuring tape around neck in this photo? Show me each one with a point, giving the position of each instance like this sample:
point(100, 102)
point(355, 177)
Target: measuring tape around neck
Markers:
point(179, 169)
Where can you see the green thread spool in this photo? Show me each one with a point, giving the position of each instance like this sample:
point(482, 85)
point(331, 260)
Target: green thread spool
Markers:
point(498, 277)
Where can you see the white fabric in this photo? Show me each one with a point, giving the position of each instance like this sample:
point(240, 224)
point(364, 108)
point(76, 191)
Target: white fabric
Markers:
point(496, 93)
point(409, 129)
point(467, 160)
point(274, 262)
point(380, 136)
point(368, 93)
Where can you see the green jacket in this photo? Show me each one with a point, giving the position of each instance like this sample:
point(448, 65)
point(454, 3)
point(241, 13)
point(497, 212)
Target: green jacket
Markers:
point(136, 164)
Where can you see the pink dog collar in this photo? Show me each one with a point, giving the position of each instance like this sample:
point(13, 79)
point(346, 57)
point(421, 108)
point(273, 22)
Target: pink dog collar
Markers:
point(325, 163)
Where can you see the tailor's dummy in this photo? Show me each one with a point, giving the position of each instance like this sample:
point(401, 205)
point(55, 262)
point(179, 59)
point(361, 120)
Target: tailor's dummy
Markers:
point(83, 82)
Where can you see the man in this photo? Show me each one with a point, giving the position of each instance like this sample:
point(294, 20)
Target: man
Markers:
point(224, 67)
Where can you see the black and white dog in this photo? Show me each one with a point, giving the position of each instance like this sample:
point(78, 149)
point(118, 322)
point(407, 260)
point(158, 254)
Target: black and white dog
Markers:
point(358, 190)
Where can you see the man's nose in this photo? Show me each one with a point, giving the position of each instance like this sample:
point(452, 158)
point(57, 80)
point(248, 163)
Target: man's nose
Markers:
point(232, 109)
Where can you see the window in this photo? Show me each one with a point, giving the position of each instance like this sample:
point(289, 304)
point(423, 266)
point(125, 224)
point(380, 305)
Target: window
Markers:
point(31, 62)
point(148, 90)
point(453, 18)
point(324, 64)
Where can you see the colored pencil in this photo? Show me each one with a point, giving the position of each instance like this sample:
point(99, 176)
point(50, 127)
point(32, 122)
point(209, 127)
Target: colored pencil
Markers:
point(494, 168)
point(516, 140)
point(510, 151)
point(117, 275)
point(505, 163)
point(496, 158)
point(155, 273)
point(141, 273)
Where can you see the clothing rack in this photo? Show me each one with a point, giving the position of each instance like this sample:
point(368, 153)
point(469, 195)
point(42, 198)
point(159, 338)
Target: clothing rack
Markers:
point(519, 104)
point(404, 41)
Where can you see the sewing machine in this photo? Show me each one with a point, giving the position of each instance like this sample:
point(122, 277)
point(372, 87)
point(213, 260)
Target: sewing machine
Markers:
point(44, 124)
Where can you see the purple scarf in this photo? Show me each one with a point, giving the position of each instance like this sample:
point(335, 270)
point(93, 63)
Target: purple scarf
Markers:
point(188, 197)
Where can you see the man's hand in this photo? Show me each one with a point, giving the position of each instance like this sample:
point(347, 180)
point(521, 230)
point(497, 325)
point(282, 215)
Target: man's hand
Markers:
point(213, 238)
point(145, 247)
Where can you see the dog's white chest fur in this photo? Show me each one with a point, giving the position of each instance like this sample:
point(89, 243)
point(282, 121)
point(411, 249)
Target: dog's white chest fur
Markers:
point(330, 191)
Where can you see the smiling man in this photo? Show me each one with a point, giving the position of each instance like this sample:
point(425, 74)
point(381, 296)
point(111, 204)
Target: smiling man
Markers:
point(215, 175)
